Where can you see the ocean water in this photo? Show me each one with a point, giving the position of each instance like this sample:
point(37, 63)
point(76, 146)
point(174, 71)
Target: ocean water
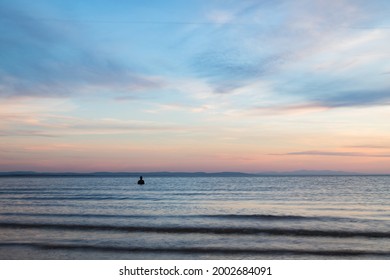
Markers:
point(307, 217)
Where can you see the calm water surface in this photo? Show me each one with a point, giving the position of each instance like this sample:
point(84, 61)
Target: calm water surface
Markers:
point(324, 217)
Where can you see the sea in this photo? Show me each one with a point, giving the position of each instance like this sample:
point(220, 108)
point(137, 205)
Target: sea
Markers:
point(195, 218)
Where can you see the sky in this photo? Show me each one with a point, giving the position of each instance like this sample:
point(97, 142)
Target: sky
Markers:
point(195, 85)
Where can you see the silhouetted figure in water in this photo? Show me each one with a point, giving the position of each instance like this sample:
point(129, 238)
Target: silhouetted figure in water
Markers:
point(140, 181)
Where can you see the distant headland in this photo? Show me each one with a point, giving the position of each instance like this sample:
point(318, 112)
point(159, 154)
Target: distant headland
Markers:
point(181, 174)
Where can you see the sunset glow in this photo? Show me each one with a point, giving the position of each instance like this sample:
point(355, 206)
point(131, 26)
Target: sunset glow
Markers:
point(251, 86)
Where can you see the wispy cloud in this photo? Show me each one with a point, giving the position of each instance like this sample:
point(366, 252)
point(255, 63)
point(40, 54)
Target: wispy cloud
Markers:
point(369, 146)
point(337, 154)
point(288, 109)
point(45, 59)
point(230, 69)
point(289, 48)
point(355, 98)
point(108, 126)
point(25, 133)
point(220, 16)
point(56, 126)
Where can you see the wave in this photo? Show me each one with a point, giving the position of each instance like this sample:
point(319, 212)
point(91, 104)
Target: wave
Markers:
point(223, 216)
point(197, 250)
point(74, 197)
point(201, 230)
point(279, 217)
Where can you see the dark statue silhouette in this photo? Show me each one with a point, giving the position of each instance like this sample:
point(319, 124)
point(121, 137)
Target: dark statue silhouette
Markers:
point(141, 181)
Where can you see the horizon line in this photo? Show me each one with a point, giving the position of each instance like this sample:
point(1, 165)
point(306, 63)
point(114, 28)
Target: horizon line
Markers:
point(302, 172)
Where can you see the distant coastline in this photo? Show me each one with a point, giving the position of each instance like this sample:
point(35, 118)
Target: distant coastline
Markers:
point(183, 174)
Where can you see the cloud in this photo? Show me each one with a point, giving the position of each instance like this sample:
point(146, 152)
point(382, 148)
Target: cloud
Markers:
point(52, 59)
point(25, 133)
point(369, 146)
point(355, 98)
point(49, 125)
point(230, 69)
point(220, 16)
point(303, 108)
point(337, 154)
point(284, 42)
point(113, 126)
point(52, 117)
point(287, 41)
